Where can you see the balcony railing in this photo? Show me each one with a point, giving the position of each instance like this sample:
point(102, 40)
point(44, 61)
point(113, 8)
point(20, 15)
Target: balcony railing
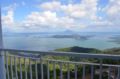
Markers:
point(22, 64)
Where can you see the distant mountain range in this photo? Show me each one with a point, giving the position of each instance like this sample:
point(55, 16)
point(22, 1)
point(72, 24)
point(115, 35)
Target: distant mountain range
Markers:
point(74, 36)
point(64, 32)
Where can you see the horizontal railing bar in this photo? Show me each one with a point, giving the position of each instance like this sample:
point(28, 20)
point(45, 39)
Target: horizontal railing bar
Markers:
point(86, 63)
point(71, 62)
point(34, 58)
point(81, 55)
point(38, 57)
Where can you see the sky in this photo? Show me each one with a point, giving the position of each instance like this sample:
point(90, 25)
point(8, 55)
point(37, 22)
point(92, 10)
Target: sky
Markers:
point(59, 15)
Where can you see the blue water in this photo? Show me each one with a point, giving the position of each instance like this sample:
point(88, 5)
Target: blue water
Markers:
point(44, 44)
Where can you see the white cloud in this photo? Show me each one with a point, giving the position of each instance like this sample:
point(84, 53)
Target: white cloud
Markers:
point(85, 9)
point(74, 10)
point(54, 5)
point(8, 19)
point(10, 7)
point(44, 19)
point(113, 12)
point(39, 21)
point(113, 7)
point(9, 23)
point(55, 15)
point(49, 20)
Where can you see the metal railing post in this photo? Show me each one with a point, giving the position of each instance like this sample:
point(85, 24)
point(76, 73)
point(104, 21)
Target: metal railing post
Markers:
point(2, 65)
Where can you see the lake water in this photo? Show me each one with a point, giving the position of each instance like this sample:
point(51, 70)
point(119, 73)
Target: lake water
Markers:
point(45, 44)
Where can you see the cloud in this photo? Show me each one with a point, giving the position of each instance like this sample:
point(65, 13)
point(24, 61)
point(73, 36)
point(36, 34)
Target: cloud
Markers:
point(49, 20)
point(113, 8)
point(10, 7)
point(54, 5)
point(9, 23)
point(39, 21)
point(113, 12)
point(8, 19)
point(57, 16)
point(85, 9)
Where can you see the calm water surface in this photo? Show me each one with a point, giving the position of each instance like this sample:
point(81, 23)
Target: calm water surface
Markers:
point(45, 44)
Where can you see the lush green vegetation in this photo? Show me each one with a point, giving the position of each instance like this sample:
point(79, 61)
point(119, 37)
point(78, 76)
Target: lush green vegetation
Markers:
point(79, 50)
point(115, 51)
point(64, 66)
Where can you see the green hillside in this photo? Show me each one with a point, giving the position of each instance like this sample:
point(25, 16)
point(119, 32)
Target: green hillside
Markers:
point(89, 50)
point(79, 50)
point(112, 51)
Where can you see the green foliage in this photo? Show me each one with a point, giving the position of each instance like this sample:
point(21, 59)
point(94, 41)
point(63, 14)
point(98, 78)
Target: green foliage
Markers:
point(64, 65)
point(112, 51)
point(79, 50)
